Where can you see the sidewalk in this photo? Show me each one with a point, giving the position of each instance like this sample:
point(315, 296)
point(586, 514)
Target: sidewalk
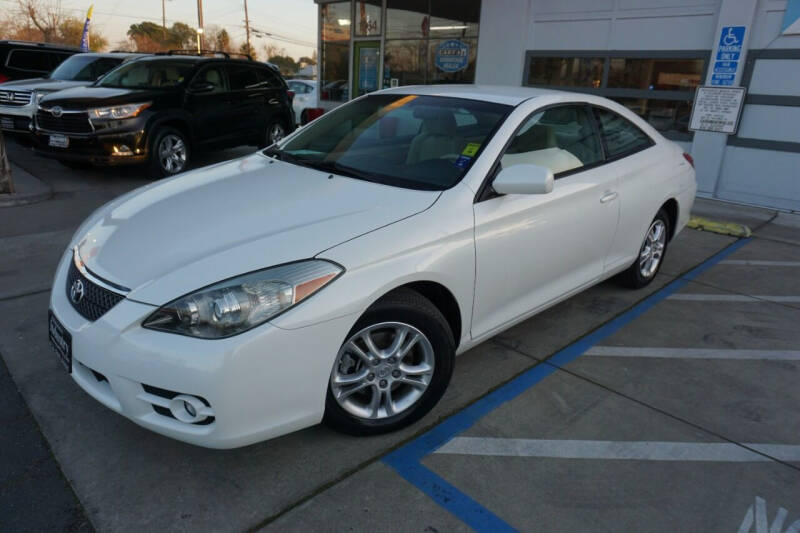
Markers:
point(28, 189)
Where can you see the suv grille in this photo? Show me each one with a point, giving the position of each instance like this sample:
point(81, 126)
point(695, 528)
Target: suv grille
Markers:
point(96, 300)
point(66, 123)
point(15, 98)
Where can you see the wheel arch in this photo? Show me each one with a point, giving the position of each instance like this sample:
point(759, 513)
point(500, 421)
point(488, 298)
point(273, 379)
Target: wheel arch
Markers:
point(672, 209)
point(441, 297)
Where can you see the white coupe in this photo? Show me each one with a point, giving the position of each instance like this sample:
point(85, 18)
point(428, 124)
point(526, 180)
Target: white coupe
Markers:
point(336, 275)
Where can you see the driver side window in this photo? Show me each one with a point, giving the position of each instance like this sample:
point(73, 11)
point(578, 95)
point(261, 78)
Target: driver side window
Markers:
point(561, 138)
point(215, 76)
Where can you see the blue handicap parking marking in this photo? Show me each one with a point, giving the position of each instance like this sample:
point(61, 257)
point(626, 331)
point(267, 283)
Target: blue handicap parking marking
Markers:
point(405, 460)
point(731, 39)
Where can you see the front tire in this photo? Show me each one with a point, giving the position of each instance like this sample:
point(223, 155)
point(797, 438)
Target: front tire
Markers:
point(651, 254)
point(169, 153)
point(275, 131)
point(393, 367)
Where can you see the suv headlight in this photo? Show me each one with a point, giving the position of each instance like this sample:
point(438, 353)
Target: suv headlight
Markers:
point(238, 304)
point(117, 112)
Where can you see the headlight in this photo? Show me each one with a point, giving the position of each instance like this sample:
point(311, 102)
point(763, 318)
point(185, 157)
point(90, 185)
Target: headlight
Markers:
point(235, 305)
point(117, 112)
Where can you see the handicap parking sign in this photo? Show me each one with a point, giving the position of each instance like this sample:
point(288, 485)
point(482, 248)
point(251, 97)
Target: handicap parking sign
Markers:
point(729, 51)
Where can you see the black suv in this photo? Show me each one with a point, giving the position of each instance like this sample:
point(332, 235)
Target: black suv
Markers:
point(161, 109)
point(20, 60)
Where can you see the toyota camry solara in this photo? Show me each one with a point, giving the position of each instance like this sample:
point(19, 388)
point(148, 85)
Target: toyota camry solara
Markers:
point(336, 275)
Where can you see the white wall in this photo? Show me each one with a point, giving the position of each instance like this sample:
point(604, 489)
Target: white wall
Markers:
point(501, 42)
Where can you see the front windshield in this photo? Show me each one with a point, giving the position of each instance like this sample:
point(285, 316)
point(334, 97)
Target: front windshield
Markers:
point(84, 68)
point(148, 75)
point(411, 141)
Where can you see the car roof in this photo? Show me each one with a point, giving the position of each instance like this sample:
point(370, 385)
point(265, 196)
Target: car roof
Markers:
point(111, 54)
point(497, 94)
point(47, 46)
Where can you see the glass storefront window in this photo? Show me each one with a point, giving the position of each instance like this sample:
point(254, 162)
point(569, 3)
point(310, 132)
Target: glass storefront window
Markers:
point(566, 71)
point(655, 74)
point(368, 18)
point(454, 18)
point(663, 115)
point(334, 61)
point(404, 62)
point(406, 19)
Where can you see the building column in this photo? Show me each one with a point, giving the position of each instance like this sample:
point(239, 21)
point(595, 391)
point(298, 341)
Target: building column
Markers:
point(708, 149)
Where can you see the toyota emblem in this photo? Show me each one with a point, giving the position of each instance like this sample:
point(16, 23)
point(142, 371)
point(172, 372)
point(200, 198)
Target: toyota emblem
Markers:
point(56, 111)
point(77, 291)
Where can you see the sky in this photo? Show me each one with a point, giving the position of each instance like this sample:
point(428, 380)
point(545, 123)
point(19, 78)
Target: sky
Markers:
point(295, 20)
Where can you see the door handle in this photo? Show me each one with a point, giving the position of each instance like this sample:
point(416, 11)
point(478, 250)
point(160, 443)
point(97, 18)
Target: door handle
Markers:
point(273, 101)
point(608, 196)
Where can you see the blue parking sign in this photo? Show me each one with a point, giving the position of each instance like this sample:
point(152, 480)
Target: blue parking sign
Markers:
point(729, 51)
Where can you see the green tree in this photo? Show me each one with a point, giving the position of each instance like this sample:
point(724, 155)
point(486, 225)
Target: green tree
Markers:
point(249, 50)
point(70, 31)
point(149, 36)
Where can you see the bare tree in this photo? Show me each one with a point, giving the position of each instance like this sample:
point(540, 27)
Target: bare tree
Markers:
point(6, 185)
point(45, 15)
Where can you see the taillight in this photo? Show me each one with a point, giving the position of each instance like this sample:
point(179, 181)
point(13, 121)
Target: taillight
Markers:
point(4, 78)
point(689, 158)
point(312, 113)
point(291, 94)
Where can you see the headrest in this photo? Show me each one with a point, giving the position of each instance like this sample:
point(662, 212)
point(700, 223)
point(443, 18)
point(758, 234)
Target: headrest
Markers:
point(537, 137)
point(436, 121)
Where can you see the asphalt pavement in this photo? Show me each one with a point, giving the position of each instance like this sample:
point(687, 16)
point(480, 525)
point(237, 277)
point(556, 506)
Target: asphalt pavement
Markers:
point(670, 408)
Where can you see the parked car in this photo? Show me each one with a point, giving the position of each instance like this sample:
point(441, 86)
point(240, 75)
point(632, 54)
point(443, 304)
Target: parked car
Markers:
point(21, 60)
point(305, 96)
point(335, 275)
point(160, 109)
point(18, 99)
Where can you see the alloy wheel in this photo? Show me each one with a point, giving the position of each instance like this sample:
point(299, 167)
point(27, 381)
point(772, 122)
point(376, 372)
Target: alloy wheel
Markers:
point(653, 248)
point(276, 132)
point(172, 153)
point(382, 370)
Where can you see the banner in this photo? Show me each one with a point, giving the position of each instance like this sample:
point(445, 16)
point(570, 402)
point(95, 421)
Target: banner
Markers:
point(85, 36)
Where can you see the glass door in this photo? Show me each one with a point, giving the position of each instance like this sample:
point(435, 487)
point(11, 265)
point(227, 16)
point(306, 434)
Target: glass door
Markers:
point(366, 60)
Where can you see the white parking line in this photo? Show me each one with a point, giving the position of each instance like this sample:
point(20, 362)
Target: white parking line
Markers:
point(751, 262)
point(628, 450)
point(693, 297)
point(693, 353)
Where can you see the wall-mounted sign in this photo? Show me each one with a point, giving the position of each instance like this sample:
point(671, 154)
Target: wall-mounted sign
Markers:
point(717, 109)
point(452, 56)
point(729, 52)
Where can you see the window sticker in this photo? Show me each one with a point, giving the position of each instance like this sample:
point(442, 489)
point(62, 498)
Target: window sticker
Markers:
point(471, 149)
point(462, 161)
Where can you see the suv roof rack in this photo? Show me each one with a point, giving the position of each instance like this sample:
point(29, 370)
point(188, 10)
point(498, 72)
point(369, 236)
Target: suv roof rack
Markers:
point(212, 53)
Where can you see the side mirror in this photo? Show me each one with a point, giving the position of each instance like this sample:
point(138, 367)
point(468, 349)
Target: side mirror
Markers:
point(202, 87)
point(524, 179)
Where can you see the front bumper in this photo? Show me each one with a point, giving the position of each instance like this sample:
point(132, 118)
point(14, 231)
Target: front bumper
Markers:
point(258, 385)
point(96, 149)
point(17, 119)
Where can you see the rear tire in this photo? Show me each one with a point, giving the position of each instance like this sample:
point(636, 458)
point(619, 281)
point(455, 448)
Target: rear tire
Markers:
point(405, 384)
point(275, 131)
point(169, 153)
point(651, 254)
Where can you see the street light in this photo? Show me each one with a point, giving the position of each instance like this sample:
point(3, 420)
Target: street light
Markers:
point(199, 33)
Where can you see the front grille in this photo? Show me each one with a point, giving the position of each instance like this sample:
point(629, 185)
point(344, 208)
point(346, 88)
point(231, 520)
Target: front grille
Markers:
point(11, 122)
point(66, 123)
point(96, 300)
point(15, 98)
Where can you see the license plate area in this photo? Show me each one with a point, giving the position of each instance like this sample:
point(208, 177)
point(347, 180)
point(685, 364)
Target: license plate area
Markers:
point(61, 340)
point(59, 141)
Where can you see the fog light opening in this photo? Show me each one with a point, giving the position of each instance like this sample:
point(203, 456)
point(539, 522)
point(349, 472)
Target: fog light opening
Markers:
point(189, 409)
point(121, 150)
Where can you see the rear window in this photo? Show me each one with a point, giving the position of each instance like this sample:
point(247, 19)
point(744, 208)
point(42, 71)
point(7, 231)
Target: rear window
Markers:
point(84, 67)
point(33, 60)
point(620, 136)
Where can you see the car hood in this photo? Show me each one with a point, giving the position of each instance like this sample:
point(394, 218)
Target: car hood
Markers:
point(93, 95)
point(181, 234)
point(44, 84)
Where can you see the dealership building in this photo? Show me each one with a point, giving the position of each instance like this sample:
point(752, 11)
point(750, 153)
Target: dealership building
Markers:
point(649, 55)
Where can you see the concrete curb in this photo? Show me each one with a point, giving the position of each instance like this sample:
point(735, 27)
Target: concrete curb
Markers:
point(30, 189)
point(723, 228)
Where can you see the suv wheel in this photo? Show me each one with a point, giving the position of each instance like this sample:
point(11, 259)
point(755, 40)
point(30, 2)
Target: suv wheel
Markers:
point(393, 367)
point(169, 154)
point(276, 130)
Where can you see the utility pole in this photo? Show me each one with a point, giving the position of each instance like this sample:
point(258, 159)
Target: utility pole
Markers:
point(200, 23)
point(247, 27)
point(164, 18)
